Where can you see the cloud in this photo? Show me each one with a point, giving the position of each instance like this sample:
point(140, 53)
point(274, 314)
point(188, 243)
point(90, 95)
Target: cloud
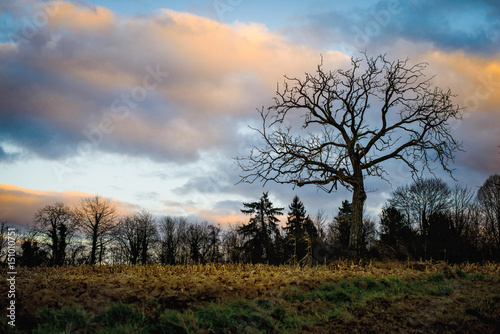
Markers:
point(80, 18)
point(165, 86)
point(7, 156)
point(156, 175)
point(18, 205)
point(176, 87)
point(223, 212)
point(449, 25)
point(224, 217)
point(482, 147)
point(475, 79)
point(471, 27)
point(187, 208)
point(147, 195)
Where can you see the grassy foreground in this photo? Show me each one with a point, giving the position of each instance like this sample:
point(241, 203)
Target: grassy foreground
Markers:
point(341, 297)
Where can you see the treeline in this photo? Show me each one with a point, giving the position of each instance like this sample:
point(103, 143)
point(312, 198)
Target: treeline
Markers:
point(426, 219)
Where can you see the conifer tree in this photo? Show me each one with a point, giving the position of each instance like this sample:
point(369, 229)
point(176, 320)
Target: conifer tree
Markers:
point(343, 222)
point(262, 233)
point(300, 231)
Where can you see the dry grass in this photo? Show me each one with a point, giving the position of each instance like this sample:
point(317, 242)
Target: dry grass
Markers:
point(463, 296)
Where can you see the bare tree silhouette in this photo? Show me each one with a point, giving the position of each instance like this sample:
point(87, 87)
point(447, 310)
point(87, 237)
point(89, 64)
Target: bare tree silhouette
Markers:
point(97, 219)
point(57, 223)
point(353, 121)
point(488, 197)
point(136, 235)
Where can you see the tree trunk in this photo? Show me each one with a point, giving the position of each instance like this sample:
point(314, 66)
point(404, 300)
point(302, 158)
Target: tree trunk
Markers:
point(144, 249)
point(94, 248)
point(61, 249)
point(101, 250)
point(55, 244)
point(358, 202)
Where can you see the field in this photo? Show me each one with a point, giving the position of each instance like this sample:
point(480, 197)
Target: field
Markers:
point(341, 297)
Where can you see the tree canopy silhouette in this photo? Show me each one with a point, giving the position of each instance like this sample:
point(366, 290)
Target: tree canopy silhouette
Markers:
point(97, 219)
point(353, 121)
point(262, 231)
point(57, 223)
point(489, 200)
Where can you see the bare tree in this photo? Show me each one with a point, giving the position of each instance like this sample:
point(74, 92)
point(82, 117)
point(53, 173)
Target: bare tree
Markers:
point(97, 217)
point(57, 223)
point(136, 235)
point(3, 240)
point(172, 234)
point(195, 238)
point(232, 244)
point(422, 203)
point(128, 240)
point(461, 209)
point(352, 123)
point(464, 225)
point(76, 254)
point(212, 250)
point(148, 234)
point(421, 199)
point(488, 197)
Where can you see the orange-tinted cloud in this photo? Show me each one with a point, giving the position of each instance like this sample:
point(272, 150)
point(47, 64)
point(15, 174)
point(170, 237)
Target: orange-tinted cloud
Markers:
point(95, 65)
point(18, 205)
point(224, 217)
point(79, 18)
point(475, 79)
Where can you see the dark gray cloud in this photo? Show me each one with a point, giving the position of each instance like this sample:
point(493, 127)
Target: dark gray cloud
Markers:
point(228, 205)
point(470, 26)
point(481, 137)
point(50, 112)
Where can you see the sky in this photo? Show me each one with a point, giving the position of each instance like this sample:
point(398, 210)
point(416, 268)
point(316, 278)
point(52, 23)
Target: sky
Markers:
point(148, 102)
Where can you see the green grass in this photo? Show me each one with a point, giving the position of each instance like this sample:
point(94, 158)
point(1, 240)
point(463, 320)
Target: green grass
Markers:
point(294, 309)
point(65, 320)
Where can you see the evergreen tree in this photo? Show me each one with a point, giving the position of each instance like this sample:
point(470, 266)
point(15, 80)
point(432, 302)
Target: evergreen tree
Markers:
point(301, 233)
point(342, 225)
point(440, 235)
point(261, 233)
point(396, 232)
point(394, 226)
